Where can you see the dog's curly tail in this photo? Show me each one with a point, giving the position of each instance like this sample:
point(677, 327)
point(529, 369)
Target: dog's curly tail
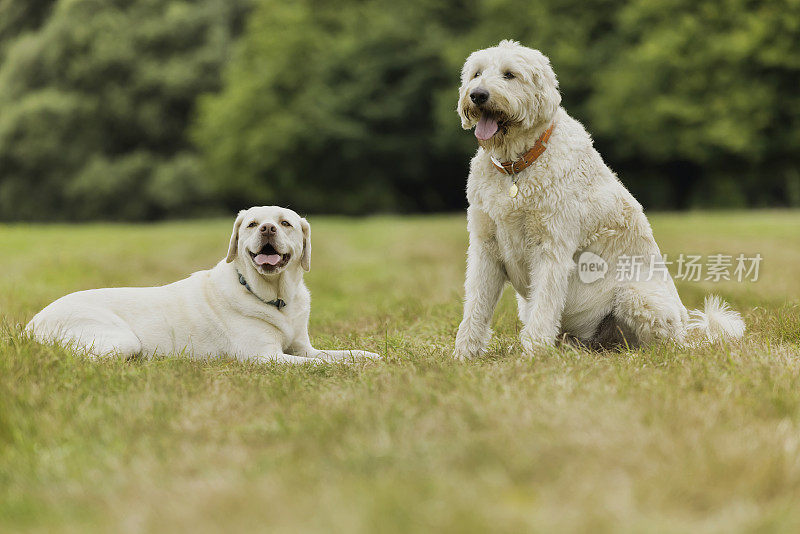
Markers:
point(717, 321)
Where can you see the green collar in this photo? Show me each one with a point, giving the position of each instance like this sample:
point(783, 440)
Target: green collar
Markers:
point(278, 303)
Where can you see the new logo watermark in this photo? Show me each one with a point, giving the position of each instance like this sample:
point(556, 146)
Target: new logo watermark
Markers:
point(591, 267)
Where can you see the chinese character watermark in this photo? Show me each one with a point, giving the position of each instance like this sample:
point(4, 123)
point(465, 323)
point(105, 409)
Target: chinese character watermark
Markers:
point(688, 267)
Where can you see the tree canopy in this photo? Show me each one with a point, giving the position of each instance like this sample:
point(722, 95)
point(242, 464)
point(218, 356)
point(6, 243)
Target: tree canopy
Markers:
point(349, 106)
point(150, 108)
point(96, 97)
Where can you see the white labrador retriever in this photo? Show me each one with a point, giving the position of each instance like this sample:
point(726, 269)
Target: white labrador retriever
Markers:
point(253, 305)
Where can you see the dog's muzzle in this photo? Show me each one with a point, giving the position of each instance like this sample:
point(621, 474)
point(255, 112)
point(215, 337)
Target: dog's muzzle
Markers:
point(268, 258)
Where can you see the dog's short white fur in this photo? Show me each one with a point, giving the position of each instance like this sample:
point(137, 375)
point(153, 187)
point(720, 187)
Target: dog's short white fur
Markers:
point(209, 314)
point(569, 202)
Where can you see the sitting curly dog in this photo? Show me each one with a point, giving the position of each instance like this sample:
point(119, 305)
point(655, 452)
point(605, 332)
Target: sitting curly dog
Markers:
point(541, 200)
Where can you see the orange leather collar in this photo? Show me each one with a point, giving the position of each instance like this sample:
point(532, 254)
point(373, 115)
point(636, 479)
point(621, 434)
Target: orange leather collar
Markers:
point(529, 157)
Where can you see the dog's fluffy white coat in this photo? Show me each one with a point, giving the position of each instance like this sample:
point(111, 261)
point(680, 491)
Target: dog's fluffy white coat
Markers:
point(569, 201)
point(209, 314)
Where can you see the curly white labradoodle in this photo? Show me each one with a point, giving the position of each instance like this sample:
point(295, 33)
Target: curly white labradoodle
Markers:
point(541, 202)
point(253, 305)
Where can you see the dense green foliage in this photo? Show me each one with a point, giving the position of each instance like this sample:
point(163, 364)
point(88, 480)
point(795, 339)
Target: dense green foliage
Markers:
point(95, 104)
point(348, 106)
point(707, 98)
point(692, 102)
point(340, 115)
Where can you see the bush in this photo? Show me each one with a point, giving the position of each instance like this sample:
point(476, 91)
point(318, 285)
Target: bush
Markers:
point(96, 103)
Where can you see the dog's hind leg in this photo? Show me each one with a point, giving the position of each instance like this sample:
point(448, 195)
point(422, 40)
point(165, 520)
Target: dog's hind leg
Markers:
point(102, 341)
point(651, 311)
point(97, 333)
point(116, 341)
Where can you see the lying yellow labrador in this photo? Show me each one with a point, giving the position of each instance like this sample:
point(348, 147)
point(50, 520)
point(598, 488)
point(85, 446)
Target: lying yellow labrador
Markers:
point(253, 305)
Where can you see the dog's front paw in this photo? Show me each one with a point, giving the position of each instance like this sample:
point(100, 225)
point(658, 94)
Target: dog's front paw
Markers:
point(463, 354)
point(533, 342)
point(286, 358)
point(469, 343)
point(347, 356)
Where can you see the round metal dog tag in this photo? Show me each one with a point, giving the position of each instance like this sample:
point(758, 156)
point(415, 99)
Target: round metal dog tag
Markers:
point(513, 190)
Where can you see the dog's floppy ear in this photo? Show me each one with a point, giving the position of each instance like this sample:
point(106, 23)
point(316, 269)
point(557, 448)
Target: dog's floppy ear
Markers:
point(305, 260)
point(547, 98)
point(233, 248)
point(463, 105)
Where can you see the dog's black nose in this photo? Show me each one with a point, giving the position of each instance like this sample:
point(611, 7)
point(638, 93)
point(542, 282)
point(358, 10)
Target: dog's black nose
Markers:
point(268, 228)
point(479, 95)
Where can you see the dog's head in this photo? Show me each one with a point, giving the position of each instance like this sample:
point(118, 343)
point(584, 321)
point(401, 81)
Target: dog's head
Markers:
point(506, 88)
point(270, 239)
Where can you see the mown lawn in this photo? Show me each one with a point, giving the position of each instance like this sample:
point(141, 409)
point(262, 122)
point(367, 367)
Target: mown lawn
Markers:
point(660, 440)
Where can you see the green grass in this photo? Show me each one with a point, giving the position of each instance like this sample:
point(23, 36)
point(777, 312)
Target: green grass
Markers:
point(659, 440)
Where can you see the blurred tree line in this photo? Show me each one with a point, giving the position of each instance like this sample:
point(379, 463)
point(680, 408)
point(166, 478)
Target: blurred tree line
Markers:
point(141, 109)
point(96, 97)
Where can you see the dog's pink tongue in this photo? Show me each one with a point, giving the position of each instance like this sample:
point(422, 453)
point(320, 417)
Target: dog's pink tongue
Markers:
point(272, 259)
point(486, 128)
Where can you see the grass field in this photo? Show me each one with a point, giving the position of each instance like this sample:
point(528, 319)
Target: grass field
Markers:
point(658, 440)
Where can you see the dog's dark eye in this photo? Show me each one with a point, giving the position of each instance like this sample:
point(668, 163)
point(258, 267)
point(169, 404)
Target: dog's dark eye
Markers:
point(252, 224)
point(286, 223)
point(477, 74)
point(508, 75)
